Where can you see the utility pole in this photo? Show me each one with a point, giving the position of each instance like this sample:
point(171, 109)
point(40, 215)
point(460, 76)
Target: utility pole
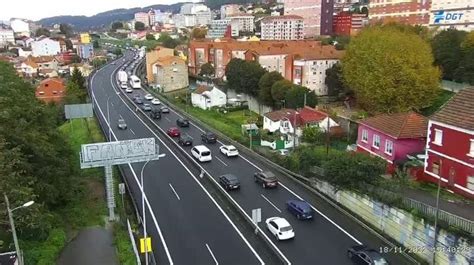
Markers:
point(304, 105)
point(294, 131)
point(12, 224)
point(327, 133)
point(437, 211)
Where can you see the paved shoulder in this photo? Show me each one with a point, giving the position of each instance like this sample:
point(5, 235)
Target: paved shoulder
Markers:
point(91, 246)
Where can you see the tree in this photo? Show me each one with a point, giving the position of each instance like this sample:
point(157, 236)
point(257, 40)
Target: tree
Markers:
point(66, 29)
point(167, 41)
point(43, 32)
point(150, 36)
point(334, 80)
point(207, 69)
point(447, 51)
point(117, 25)
point(364, 10)
point(139, 26)
point(465, 72)
point(265, 85)
point(232, 73)
point(96, 44)
point(252, 71)
point(390, 70)
point(198, 33)
point(69, 45)
point(77, 78)
point(295, 96)
point(279, 90)
point(117, 51)
point(313, 135)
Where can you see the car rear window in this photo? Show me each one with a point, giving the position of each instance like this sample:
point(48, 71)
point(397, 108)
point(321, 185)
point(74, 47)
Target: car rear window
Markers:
point(286, 229)
point(206, 153)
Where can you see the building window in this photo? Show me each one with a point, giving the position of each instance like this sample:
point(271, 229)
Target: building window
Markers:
point(470, 182)
point(435, 168)
point(438, 139)
point(365, 136)
point(388, 147)
point(376, 142)
point(471, 149)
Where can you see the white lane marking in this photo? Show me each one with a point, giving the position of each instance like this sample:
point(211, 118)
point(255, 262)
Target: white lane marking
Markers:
point(165, 246)
point(212, 254)
point(255, 166)
point(323, 215)
point(166, 118)
point(132, 131)
point(221, 161)
point(120, 116)
point(202, 187)
point(274, 206)
point(175, 193)
point(111, 103)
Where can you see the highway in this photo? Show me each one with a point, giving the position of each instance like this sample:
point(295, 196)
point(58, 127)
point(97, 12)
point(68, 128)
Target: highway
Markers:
point(186, 224)
point(323, 240)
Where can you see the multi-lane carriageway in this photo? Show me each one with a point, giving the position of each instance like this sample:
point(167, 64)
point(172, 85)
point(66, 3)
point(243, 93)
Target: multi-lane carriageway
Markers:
point(188, 226)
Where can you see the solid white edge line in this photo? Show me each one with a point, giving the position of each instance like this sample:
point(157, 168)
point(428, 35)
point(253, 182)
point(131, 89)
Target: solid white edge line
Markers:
point(274, 206)
point(289, 190)
point(197, 181)
point(221, 161)
point(212, 254)
point(175, 193)
point(323, 215)
point(165, 246)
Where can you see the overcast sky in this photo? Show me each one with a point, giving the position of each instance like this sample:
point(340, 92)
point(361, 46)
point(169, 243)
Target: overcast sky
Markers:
point(37, 9)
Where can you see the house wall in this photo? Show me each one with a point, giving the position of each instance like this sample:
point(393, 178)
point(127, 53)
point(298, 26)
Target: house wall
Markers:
point(455, 166)
point(368, 146)
point(198, 100)
point(151, 58)
point(252, 102)
point(270, 125)
point(45, 47)
point(171, 80)
point(273, 63)
point(218, 98)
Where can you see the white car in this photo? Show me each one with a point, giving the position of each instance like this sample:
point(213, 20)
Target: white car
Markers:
point(280, 228)
point(129, 90)
point(155, 101)
point(148, 97)
point(229, 150)
point(123, 85)
point(201, 153)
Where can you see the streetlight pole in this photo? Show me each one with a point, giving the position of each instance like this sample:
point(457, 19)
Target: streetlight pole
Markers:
point(437, 212)
point(143, 211)
point(12, 224)
point(294, 131)
point(108, 116)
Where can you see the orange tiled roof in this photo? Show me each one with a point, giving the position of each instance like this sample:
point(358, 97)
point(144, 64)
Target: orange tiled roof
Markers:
point(400, 125)
point(169, 60)
point(308, 114)
point(202, 89)
point(458, 111)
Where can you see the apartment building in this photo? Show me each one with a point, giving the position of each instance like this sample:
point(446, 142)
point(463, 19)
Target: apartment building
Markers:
point(303, 62)
point(6, 36)
point(457, 14)
point(245, 22)
point(221, 28)
point(317, 15)
point(348, 24)
point(401, 11)
point(288, 27)
point(170, 72)
point(143, 18)
point(227, 10)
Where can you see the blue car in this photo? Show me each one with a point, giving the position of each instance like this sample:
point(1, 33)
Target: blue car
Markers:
point(301, 209)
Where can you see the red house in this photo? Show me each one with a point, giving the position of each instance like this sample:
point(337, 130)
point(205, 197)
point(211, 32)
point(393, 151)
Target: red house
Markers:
point(450, 144)
point(392, 137)
point(51, 90)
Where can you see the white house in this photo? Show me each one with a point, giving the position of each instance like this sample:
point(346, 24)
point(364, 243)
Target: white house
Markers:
point(208, 97)
point(24, 41)
point(29, 68)
point(45, 46)
point(24, 52)
point(6, 36)
point(20, 27)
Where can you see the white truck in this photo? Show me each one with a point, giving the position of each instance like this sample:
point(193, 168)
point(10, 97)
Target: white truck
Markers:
point(123, 78)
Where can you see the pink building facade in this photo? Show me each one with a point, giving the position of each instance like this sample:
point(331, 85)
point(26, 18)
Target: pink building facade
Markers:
point(317, 15)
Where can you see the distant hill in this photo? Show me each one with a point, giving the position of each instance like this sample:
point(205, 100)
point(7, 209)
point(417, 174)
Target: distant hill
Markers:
point(104, 19)
point(215, 4)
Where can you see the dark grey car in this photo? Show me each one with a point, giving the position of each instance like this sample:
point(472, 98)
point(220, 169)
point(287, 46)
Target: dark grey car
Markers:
point(121, 124)
point(229, 182)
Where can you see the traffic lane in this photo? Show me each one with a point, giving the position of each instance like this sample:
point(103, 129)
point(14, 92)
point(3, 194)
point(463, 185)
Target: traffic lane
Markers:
point(214, 220)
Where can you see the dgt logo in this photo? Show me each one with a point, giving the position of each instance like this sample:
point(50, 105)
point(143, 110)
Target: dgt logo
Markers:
point(442, 15)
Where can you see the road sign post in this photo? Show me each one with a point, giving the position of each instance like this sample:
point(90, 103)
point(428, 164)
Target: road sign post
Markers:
point(256, 217)
point(122, 192)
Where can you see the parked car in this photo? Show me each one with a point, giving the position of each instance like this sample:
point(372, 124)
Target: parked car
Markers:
point(155, 101)
point(201, 153)
point(185, 140)
point(146, 107)
point(148, 97)
point(182, 122)
point(129, 90)
point(229, 150)
point(165, 109)
point(229, 182)
point(155, 113)
point(280, 228)
point(173, 132)
point(121, 124)
point(301, 209)
point(267, 179)
point(209, 137)
point(361, 254)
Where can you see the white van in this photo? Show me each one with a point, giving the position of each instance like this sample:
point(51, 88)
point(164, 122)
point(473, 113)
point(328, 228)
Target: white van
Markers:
point(201, 153)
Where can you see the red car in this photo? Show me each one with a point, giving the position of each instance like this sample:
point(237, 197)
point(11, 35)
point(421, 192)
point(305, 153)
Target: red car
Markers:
point(173, 132)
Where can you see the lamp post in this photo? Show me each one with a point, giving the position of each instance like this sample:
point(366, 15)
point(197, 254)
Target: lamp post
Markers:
point(108, 116)
point(12, 224)
point(143, 211)
point(437, 211)
point(294, 127)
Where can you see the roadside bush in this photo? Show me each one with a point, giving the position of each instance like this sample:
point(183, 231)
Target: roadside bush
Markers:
point(47, 252)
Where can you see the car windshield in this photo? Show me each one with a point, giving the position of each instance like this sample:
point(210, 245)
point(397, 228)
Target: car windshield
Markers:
point(286, 229)
point(210, 135)
point(232, 179)
point(231, 149)
point(206, 153)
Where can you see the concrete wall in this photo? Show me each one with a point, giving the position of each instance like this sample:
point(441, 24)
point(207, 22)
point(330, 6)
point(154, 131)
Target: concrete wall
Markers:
point(402, 226)
point(253, 103)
